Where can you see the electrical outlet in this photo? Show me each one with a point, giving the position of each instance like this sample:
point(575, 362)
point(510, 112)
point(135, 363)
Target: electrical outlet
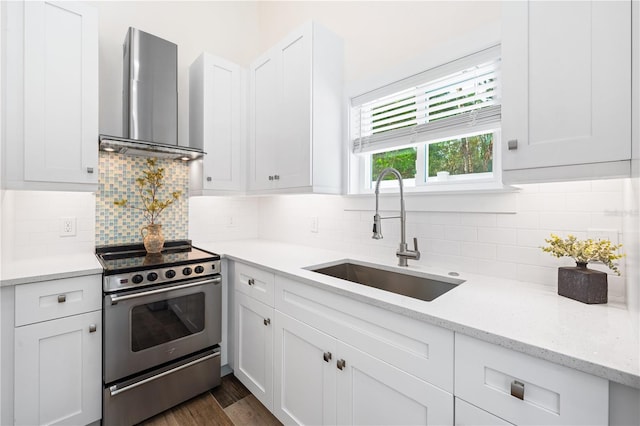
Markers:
point(314, 224)
point(67, 226)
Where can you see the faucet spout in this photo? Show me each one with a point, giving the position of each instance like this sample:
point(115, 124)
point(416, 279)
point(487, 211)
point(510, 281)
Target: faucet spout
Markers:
point(403, 252)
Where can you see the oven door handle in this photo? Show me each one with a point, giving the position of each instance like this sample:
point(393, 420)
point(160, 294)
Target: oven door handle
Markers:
point(115, 298)
point(115, 391)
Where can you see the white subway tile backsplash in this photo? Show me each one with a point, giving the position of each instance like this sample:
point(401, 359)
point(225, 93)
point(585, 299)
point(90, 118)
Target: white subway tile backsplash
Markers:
point(478, 250)
point(497, 269)
point(595, 202)
point(537, 274)
point(478, 219)
point(437, 218)
point(531, 237)
point(567, 187)
point(551, 202)
point(439, 246)
point(517, 254)
point(497, 235)
point(507, 220)
point(461, 233)
point(501, 245)
point(566, 221)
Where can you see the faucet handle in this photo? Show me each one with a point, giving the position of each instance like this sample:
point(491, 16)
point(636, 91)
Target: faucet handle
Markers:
point(415, 248)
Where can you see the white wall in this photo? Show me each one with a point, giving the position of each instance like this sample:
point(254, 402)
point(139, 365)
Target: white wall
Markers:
point(224, 28)
point(378, 34)
point(31, 223)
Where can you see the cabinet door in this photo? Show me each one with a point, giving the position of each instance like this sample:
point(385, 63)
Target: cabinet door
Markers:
point(293, 145)
point(58, 367)
point(566, 83)
point(305, 374)
point(221, 124)
point(372, 392)
point(264, 121)
point(254, 347)
point(60, 92)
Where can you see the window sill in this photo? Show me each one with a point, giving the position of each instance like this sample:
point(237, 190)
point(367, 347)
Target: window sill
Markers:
point(468, 198)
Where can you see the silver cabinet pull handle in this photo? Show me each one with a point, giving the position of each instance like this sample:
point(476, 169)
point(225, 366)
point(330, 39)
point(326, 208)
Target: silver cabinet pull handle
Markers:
point(115, 299)
point(517, 389)
point(62, 298)
point(267, 321)
point(341, 364)
point(251, 281)
point(326, 356)
point(90, 170)
point(512, 144)
point(92, 328)
point(209, 179)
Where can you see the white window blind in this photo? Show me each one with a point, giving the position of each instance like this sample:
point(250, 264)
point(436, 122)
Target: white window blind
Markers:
point(459, 97)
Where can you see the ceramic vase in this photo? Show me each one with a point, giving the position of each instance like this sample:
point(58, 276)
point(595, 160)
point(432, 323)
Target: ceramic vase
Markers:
point(153, 239)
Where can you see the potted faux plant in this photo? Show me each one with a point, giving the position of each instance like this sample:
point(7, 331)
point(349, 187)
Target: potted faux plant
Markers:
point(149, 186)
point(579, 282)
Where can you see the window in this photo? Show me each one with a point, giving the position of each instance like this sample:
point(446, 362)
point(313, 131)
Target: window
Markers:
point(438, 127)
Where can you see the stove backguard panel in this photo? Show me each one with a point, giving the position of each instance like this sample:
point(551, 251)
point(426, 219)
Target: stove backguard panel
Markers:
point(116, 180)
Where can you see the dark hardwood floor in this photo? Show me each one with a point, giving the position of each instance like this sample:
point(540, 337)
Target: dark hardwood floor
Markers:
point(229, 404)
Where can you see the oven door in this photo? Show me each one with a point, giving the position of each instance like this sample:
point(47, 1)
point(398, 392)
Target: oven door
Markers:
point(148, 327)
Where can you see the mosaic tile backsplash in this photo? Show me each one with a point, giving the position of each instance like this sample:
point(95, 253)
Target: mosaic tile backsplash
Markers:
point(116, 180)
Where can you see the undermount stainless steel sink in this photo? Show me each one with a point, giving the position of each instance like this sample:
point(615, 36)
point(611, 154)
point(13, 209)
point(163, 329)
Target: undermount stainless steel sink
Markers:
point(419, 287)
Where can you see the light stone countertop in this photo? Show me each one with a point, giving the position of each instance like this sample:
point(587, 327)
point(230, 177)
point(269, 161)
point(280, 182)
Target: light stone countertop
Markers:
point(529, 318)
point(48, 268)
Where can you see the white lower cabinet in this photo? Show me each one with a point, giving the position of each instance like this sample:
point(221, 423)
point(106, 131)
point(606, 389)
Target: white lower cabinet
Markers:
point(58, 371)
point(525, 390)
point(305, 372)
point(320, 358)
point(370, 391)
point(254, 347)
point(320, 380)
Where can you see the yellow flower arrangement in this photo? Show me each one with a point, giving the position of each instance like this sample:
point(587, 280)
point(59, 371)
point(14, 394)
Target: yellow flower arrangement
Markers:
point(149, 187)
point(584, 251)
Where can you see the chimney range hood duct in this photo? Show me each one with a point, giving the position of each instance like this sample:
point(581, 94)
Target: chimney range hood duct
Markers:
point(150, 100)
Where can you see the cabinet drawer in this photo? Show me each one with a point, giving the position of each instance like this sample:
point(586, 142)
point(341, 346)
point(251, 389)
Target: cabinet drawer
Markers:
point(48, 300)
point(254, 282)
point(422, 350)
point(551, 394)
point(470, 415)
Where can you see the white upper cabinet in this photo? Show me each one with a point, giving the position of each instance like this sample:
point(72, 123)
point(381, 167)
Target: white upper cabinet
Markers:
point(295, 114)
point(51, 103)
point(566, 97)
point(216, 93)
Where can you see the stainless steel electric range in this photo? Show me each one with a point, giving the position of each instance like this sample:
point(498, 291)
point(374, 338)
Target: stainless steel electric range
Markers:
point(162, 328)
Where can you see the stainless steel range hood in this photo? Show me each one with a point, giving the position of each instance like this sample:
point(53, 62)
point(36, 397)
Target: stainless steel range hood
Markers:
point(150, 100)
point(148, 149)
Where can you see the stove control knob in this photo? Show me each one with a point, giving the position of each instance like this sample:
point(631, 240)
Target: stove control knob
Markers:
point(186, 271)
point(170, 273)
point(137, 279)
point(199, 269)
point(152, 276)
